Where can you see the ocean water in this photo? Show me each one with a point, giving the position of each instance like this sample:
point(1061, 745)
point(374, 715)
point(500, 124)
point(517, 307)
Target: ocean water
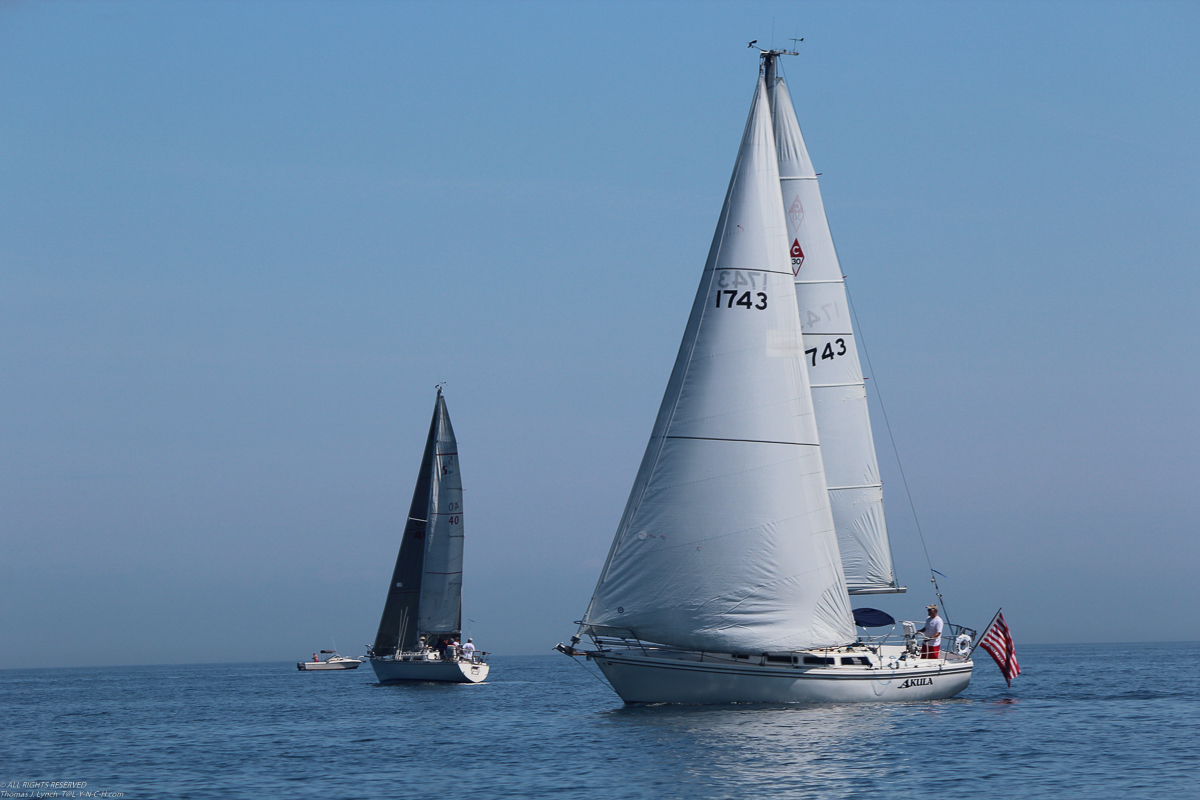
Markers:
point(1083, 721)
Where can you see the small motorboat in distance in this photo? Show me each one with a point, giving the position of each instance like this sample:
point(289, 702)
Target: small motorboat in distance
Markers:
point(331, 660)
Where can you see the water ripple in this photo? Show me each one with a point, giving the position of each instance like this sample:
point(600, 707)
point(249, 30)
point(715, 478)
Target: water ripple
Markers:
point(1117, 727)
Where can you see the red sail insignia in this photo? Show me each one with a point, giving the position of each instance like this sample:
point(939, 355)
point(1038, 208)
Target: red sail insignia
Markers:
point(797, 257)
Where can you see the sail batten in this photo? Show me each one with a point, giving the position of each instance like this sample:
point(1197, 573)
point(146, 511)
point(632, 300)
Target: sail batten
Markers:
point(727, 542)
point(835, 374)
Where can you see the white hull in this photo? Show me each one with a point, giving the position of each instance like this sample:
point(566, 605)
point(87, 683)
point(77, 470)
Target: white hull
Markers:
point(652, 676)
point(389, 671)
point(333, 663)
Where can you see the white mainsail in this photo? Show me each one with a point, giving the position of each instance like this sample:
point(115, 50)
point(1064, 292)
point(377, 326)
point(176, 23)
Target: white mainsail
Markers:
point(727, 542)
point(839, 393)
point(441, 579)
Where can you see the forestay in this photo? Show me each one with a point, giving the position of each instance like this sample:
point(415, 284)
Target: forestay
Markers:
point(727, 542)
point(838, 391)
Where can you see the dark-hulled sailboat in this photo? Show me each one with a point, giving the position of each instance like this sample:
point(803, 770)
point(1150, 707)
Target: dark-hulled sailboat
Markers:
point(424, 600)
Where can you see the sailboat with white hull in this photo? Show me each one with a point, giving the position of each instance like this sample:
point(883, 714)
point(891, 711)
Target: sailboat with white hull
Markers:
point(424, 600)
point(757, 510)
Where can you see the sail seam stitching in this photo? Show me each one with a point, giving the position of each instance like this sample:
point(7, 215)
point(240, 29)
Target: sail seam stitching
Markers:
point(747, 269)
point(751, 441)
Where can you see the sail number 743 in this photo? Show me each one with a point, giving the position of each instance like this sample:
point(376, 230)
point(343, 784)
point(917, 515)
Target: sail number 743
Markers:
point(827, 351)
point(732, 297)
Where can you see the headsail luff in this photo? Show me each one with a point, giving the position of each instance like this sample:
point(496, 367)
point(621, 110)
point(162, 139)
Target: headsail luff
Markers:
point(838, 390)
point(727, 541)
point(398, 625)
point(441, 583)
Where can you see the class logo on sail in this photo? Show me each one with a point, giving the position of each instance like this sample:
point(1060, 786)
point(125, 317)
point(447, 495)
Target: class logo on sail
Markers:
point(796, 216)
point(796, 212)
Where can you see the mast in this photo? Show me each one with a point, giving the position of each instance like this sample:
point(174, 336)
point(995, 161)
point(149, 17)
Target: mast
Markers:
point(769, 57)
point(768, 67)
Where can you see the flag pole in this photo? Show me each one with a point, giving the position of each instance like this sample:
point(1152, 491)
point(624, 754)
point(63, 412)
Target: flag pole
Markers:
point(985, 632)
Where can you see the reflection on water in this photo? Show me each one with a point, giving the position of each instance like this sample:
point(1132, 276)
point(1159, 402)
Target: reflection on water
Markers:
point(823, 748)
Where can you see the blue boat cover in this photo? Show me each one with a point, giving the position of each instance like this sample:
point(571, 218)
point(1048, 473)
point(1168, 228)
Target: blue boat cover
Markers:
point(872, 618)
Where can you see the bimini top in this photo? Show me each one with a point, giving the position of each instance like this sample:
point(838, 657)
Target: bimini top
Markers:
point(872, 618)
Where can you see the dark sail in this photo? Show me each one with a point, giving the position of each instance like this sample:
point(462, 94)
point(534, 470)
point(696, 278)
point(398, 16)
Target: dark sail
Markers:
point(398, 625)
point(440, 610)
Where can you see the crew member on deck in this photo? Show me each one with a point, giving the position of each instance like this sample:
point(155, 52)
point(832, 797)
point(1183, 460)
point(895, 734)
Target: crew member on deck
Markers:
point(933, 634)
point(468, 650)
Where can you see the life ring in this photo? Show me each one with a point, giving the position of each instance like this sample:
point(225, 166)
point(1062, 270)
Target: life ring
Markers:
point(962, 645)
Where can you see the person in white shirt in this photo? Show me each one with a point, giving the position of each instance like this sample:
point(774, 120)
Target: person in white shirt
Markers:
point(468, 650)
point(933, 634)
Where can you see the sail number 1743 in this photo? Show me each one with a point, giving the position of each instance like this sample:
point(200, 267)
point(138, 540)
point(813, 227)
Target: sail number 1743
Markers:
point(732, 297)
point(737, 287)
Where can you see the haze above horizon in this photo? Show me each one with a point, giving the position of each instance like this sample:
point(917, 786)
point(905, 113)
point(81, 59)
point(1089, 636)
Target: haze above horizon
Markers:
point(240, 243)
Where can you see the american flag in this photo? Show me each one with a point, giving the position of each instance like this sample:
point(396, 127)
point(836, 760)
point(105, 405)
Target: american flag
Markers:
point(997, 640)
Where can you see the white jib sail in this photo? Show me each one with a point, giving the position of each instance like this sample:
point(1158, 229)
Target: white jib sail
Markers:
point(838, 391)
point(727, 541)
point(441, 581)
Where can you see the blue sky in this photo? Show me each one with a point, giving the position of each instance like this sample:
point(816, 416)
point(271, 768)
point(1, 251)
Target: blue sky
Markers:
point(241, 242)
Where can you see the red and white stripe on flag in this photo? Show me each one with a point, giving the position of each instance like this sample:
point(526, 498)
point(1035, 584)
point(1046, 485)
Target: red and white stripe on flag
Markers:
point(997, 640)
